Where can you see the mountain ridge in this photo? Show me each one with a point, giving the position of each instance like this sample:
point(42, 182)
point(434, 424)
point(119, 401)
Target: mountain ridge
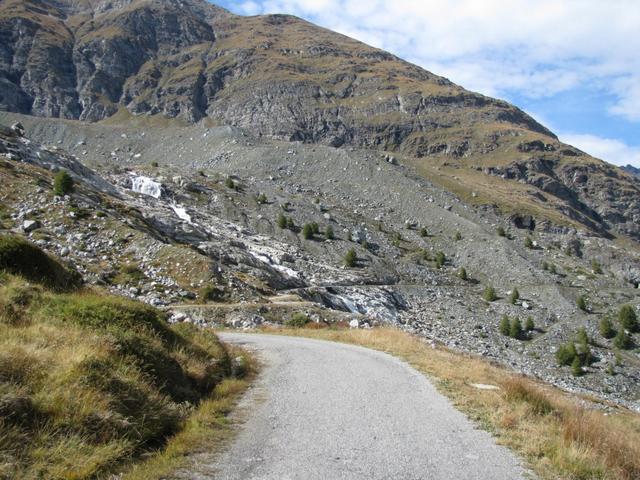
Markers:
point(282, 77)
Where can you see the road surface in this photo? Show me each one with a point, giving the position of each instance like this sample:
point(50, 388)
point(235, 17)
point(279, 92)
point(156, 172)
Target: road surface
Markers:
point(323, 410)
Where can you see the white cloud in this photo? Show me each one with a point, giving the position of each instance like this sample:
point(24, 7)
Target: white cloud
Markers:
point(608, 149)
point(537, 48)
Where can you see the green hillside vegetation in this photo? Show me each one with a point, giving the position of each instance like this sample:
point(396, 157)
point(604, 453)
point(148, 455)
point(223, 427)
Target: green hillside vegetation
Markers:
point(90, 382)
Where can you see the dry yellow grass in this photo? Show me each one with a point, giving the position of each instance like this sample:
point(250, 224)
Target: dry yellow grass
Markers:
point(558, 435)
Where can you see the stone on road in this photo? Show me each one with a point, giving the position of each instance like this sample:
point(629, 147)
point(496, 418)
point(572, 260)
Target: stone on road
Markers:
point(322, 410)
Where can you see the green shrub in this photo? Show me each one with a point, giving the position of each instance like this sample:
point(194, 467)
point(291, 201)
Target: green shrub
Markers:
point(20, 257)
point(261, 199)
point(501, 232)
point(576, 367)
point(462, 274)
point(297, 320)
point(566, 354)
point(424, 232)
point(282, 221)
point(553, 269)
point(350, 258)
point(154, 164)
point(628, 319)
point(489, 294)
point(582, 303)
point(328, 233)
point(307, 231)
point(606, 328)
point(505, 325)
point(582, 336)
point(210, 293)
point(457, 237)
point(441, 259)
point(291, 225)
point(528, 242)
point(62, 184)
point(529, 325)
point(514, 297)
point(596, 267)
point(229, 183)
point(515, 329)
point(315, 228)
point(622, 340)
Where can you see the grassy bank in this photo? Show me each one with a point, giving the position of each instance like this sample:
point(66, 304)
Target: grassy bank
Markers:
point(554, 432)
point(90, 384)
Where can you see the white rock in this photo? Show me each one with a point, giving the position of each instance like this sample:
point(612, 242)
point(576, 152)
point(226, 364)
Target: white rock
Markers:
point(354, 323)
point(30, 225)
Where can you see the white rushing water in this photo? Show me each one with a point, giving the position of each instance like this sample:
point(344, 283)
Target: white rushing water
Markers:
point(146, 186)
point(181, 212)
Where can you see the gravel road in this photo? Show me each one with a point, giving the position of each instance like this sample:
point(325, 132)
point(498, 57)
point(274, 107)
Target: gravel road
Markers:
point(322, 410)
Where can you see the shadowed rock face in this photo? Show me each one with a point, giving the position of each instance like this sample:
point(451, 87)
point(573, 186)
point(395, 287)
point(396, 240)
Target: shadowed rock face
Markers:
point(282, 77)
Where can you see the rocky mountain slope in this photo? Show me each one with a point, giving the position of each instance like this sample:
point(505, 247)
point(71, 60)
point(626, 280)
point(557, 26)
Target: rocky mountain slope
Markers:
point(285, 78)
point(245, 170)
point(193, 225)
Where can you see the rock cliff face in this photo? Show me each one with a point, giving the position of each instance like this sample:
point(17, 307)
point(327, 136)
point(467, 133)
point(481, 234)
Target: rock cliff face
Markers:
point(282, 77)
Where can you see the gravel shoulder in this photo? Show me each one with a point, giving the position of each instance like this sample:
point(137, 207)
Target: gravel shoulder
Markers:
point(325, 410)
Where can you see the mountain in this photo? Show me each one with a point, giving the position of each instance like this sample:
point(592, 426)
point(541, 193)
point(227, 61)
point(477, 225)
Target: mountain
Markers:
point(282, 77)
point(225, 166)
point(632, 170)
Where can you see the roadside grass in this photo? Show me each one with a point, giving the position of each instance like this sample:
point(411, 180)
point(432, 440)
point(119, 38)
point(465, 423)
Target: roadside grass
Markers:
point(558, 435)
point(92, 384)
point(206, 430)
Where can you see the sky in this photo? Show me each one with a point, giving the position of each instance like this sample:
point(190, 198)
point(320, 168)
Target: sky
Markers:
point(574, 65)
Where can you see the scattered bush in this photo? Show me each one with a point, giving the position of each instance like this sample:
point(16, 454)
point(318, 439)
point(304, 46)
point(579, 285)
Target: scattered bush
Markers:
point(505, 325)
point(210, 293)
point(307, 231)
point(440, 259)
point(501, 232)
point(566, 353)
point(582, 336)
point(261, 199)
point(20, 257)
point(489, 294)
point(291, 225)
point(229, 183)
point(297, 320)
point(596, 268)
point(628, 319)
point(545, 266)
point(154, 164)
point(315, 228)
point(576, 367)
point(282, 221)
point(424, 232)
point(350, 258)
point(529, 325)
point(528, 242)
point(553, 269)
point(462, 274)
point(582, 303)
point(457, 237)
point(515, 329)
point(62, 184)
point(606, 328)
point(622, 340)
point(328, 233)
point(514, 297)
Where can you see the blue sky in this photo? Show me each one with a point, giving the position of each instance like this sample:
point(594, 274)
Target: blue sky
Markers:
point(572, 64)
